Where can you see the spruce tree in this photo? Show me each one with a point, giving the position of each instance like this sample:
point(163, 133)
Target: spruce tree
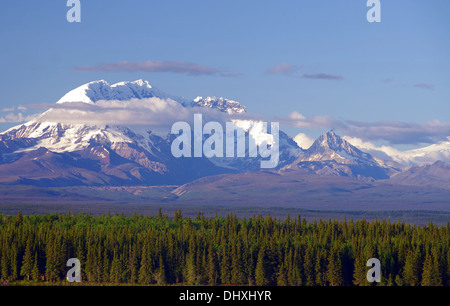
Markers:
point(19, 218)
point(260, 271)
point(360, 271)
point(116, 269)
point(237, 270)
point(431, 274)
point(225, 272)
point(35, 271)
point(281, 276)
point(105, 266)
point(190, 272)
point(309, 266)
point(412, 269)
point(145, 270)
point(334, 268)
point(211, 269)
point(4, 262)
point(320, 268)
point(52, 264)
point(161, 275)
point(132, 265)
point(27, 263)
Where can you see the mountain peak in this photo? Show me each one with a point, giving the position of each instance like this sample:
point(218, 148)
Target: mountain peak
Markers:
point(142, 82)
point(101, 90)
point(222, 104)
point(332, 141)
point(331, 133)
point(140, 89)
point(139, 83)
point(331, 154)
point(332, 147)
point(81, 93)
point(101, 82)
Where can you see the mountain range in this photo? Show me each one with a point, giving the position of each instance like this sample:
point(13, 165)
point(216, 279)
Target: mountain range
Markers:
point(57, 154)
point(46, 153)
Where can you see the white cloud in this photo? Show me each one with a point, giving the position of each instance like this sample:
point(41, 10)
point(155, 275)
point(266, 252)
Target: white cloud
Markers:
point(394, 132)
point(16, 118)
point(298, 120)
point(151, 112)
point(303, 141)
point(383, 152)
point(439, 151)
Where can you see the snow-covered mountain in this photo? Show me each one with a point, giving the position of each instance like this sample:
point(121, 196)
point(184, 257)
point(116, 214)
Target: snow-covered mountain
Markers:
point(107, 154)
point(426, 155)
point(102, 90)
point(255, 132)
point(57, 153)
point(140, 89)
point(330, 146)
point(224, 105)
point(330, 154)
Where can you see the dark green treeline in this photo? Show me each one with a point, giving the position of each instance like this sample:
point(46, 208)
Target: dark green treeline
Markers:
point(213, 251)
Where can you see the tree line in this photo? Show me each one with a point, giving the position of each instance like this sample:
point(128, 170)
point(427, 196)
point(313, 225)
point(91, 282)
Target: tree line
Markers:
point(221, 250)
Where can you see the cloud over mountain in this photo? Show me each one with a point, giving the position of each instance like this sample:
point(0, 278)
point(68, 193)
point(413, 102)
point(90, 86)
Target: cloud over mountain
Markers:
point(152, 112)
point(394, 132)
point(397, 132)
point(15, 118)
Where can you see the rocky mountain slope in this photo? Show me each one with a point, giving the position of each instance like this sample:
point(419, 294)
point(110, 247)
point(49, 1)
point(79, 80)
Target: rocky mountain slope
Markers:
point(330, 154)
point(53, 153)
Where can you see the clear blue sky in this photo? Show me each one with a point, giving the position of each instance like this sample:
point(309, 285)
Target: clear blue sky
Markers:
point(339, 64)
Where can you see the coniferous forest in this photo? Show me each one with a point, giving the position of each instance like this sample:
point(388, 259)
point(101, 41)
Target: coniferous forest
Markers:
point(163, 250)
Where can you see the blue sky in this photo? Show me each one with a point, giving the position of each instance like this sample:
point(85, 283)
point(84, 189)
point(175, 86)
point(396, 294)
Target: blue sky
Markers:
point(314, 57)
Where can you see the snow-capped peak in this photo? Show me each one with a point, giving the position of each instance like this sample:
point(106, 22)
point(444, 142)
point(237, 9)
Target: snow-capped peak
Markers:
point(102, 90)
point(84, 93)
point(140, 83)
point(63, 136)
point(331, 140)
point(140, 89)
point(330, 146)
point(222, 104)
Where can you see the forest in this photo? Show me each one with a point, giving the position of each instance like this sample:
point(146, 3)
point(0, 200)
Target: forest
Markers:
point(258, 250)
